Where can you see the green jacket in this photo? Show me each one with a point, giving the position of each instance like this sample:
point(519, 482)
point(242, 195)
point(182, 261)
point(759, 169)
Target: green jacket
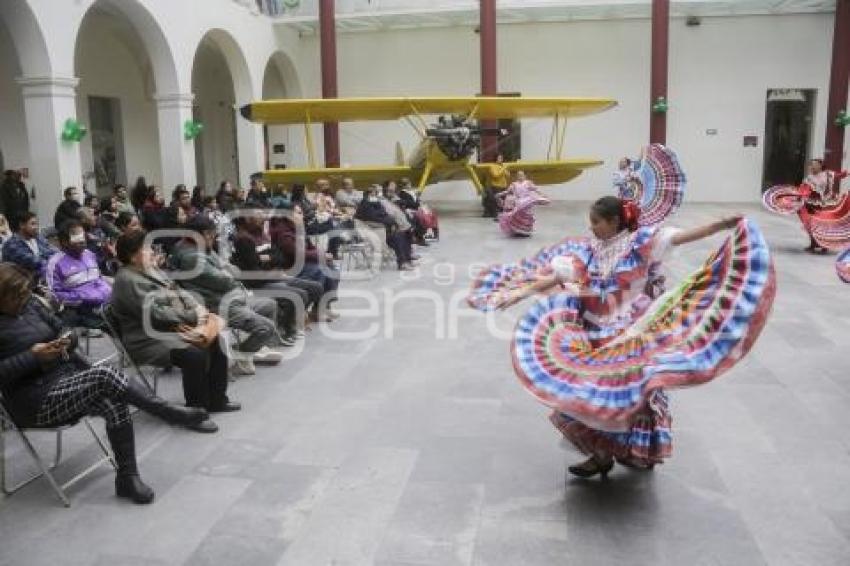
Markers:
point(213, 284)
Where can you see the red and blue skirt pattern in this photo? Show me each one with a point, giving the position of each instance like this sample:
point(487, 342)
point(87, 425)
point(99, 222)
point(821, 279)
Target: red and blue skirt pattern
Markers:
point(691, 335)
point(661, 186)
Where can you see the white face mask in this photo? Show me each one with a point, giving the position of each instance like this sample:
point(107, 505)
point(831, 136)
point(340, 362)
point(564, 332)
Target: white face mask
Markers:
point(373, 199)
point(77, 238)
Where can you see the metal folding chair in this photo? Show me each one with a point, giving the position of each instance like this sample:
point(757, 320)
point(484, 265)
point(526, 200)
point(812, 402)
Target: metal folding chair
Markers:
point(45, 470)
point(124, 357)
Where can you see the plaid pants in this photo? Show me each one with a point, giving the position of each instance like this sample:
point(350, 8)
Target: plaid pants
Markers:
point(96, 391)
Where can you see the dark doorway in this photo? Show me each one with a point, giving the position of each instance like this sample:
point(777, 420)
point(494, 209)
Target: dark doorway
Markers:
point(787, 135)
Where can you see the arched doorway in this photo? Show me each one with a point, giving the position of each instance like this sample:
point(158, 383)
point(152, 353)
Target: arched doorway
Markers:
point(116, 98)
point(221, 83)
point(14, 147)
point(284, 145)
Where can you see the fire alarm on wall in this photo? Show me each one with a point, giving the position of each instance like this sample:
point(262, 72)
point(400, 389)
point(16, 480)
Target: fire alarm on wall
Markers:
point(692, 21)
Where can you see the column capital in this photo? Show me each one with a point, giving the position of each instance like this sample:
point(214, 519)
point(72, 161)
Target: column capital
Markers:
point(48, 86)
point(174, 99)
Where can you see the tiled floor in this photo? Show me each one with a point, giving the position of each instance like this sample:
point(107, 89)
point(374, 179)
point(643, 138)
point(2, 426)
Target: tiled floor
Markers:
point(417, 445)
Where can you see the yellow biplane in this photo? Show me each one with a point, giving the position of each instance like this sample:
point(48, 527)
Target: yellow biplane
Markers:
point(446, 146)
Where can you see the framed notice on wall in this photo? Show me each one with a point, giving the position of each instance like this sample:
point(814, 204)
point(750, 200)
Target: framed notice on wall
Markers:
point(751, 141)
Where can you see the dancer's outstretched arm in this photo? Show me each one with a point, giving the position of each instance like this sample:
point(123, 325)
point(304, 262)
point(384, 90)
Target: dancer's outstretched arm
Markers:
point(686, 236)
point(542, 284)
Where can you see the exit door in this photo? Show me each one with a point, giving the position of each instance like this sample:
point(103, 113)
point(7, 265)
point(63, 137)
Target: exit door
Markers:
point(787, 138)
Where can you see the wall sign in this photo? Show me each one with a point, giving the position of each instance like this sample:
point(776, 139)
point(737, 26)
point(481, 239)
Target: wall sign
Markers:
point(751, 141)
point(279, 148)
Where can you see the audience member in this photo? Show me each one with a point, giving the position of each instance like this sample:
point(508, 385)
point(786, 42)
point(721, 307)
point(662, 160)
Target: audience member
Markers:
point(46, 383)
point(26, 247)
point(68, 208)
point(14, 198)
point(162, 325)
point(74, 278)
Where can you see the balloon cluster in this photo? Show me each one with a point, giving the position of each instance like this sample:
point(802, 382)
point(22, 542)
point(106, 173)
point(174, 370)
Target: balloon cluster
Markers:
point(192, 129)
point(660, 105)
point(73, 131)
point(843, 119)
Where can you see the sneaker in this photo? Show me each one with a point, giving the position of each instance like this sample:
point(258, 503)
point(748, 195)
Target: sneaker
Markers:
point(267, 357)
point(243, 367)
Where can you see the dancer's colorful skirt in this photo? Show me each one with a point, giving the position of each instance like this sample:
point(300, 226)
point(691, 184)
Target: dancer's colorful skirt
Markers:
point(691, 335)
point(661, 186)
point(519, 221)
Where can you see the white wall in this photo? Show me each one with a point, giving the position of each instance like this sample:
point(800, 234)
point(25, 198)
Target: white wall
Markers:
point(719, 76)
point(107, 67)
point(13, 130)
point(214, 100)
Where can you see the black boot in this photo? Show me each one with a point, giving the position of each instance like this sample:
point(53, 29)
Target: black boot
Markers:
point(127, 481)
point(139, 395)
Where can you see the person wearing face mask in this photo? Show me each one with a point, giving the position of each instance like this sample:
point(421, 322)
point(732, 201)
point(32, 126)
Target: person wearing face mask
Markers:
point(601, 345)
point(74, 278)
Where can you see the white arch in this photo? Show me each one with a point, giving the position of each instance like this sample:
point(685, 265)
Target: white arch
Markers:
point(153, 38)
point(288, 73)
point(237, 64)
point(27, 37)
point(249, 139)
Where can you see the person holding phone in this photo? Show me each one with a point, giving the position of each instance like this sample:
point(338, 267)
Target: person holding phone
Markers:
point(44, 382)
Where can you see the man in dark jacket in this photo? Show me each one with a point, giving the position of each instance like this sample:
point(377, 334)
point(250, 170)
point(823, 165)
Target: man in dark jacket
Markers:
point(204, 273)
point(14, 199)
point(67, 209)
point(370, 209)
point(27, 248)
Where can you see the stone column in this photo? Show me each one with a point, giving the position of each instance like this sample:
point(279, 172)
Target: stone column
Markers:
point(54, 164)
point(177, 154)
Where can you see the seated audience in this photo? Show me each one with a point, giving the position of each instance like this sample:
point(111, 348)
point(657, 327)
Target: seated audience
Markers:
point(198, 196)
point(224, 295)
point(225, 197)
point(258, 194)
point(122, 200)
point(127, 222)
point(5, 233)
point(26, 247)
point(289, 240)
point(162, 325)
point(348, 198)
point(107, 217)
point(254, 254)
point(372, 210)
point(154, 212)
point(46, 383)
point(74, 278)
point(67, 209)
point(140, 194)
point(98, 242)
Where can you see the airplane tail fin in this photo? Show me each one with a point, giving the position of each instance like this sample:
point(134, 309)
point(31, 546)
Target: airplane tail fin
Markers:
point(399, 154)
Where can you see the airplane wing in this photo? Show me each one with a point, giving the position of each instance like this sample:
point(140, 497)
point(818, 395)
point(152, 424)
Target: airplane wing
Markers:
point(543, 172)
point(300, 111)
point(360, 175)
